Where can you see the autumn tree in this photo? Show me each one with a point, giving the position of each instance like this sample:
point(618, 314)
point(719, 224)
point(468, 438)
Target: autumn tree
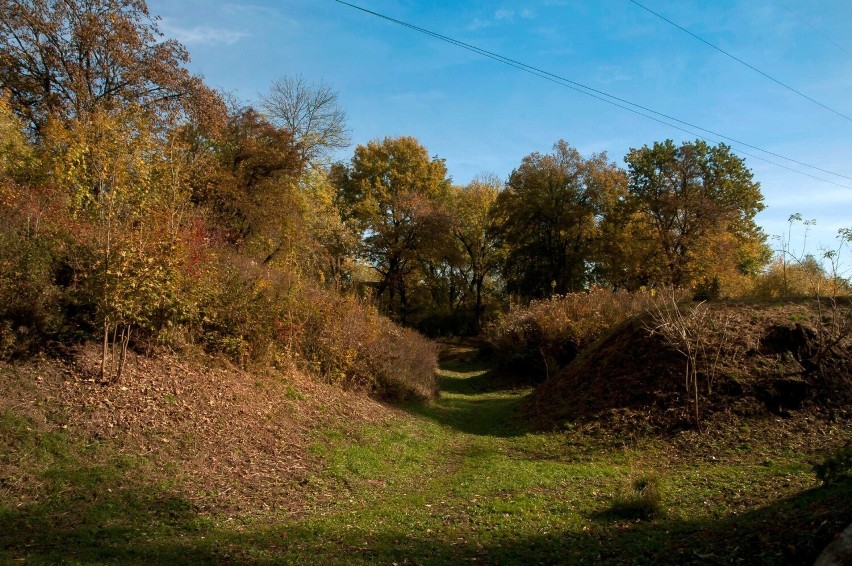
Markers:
point(30, 306)
point(249, 185)
point(69, 58)
point(474, 221)
point(128, 201)
point(392, 190)
point(551, 209)
point(311, 113)
point(694, 207)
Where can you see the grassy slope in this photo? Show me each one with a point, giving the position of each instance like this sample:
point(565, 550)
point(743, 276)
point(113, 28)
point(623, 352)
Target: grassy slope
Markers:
point(455, 481)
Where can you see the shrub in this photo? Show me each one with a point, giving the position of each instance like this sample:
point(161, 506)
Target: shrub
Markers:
point(236, 310)
point(31, 250)
point(349, 343)
point(836, 467)
point(639, 498)
point(803, 279)
point(550, 333)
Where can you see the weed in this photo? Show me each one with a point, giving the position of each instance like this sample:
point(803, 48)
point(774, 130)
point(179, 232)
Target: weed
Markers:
point(639, 498)
point(294, 394)
point(836, 467)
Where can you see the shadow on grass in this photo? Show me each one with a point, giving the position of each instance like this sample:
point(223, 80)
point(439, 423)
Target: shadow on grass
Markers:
point(145, 527)
point(90, 519)
point(491, 416)
point(791, 531)
point(472, 377)
point(474, 400)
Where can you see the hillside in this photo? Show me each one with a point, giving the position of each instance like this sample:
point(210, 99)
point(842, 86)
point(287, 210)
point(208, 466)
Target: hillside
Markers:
point(761, 359)
point(224, 439)
point(182, 464)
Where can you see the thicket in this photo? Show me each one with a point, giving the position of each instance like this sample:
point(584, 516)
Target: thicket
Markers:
point(142, 271)
point(140, 210)
point(547, 334)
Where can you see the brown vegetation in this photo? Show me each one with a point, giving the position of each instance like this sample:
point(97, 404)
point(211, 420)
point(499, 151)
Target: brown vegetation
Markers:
point(543, 337)
point(765, 361)
point(226, 439)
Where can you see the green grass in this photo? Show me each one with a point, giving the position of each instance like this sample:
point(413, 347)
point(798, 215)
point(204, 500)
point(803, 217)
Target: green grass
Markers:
point(457, 480)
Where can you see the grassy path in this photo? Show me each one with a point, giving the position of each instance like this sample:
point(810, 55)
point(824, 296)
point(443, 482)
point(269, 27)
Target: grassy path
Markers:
point(464, 482)
point(461, 481)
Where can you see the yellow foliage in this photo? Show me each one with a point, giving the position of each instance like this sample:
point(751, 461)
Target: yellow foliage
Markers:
point(16, 154)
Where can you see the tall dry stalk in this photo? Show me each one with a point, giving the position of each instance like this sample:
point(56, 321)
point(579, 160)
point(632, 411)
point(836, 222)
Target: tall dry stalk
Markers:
point(688, 331)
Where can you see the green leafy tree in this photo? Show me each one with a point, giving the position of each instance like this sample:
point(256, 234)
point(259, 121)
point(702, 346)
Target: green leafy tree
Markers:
point(551, 210)
point(696, 205)
point(473, 210)
point(392, 192)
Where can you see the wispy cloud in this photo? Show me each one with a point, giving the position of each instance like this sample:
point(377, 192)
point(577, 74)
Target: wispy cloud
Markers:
point(478, 24)
point(252, 9)
point(203, 34)
point(255, 11)
point(502, 15)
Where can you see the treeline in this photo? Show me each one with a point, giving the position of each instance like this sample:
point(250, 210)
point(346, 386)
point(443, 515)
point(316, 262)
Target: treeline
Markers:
point(444, 257)
point(140, 207)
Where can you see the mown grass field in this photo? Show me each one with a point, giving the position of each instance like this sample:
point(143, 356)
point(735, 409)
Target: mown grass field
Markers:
point(458, 481)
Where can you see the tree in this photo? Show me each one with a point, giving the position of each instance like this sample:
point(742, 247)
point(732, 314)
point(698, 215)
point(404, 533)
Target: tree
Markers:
point(126, 201)
point(392, 192)
point(311, 113)
point(551, 209)
point(473, 210)
point(71, 57)
point(697, 205)
point(250, 185)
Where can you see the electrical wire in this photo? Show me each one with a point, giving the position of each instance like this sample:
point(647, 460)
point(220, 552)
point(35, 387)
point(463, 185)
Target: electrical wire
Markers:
point(815, 29)
point(610, 99)
point(740, 61)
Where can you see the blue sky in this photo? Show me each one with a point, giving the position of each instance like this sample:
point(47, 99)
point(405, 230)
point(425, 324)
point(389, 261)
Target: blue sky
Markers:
point(484, 117)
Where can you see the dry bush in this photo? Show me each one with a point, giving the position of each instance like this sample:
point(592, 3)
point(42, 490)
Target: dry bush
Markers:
point(346, 342)
point(701, 336)
point(550, 333)
point(796, 280)
point(255, 314)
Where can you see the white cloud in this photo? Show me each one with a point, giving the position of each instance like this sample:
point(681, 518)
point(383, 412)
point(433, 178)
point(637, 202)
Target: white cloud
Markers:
point(203, 34)
point(504, 14)
point(478, 24)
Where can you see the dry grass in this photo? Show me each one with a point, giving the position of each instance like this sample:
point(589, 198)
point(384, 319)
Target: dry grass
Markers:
point(548, 334)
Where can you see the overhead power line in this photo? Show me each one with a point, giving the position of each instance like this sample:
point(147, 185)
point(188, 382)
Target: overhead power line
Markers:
point(815, 29)
point(610, 99)
point(741, 62)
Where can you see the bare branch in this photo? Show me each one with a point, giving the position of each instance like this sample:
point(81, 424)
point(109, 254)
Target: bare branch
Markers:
point(311, 112)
